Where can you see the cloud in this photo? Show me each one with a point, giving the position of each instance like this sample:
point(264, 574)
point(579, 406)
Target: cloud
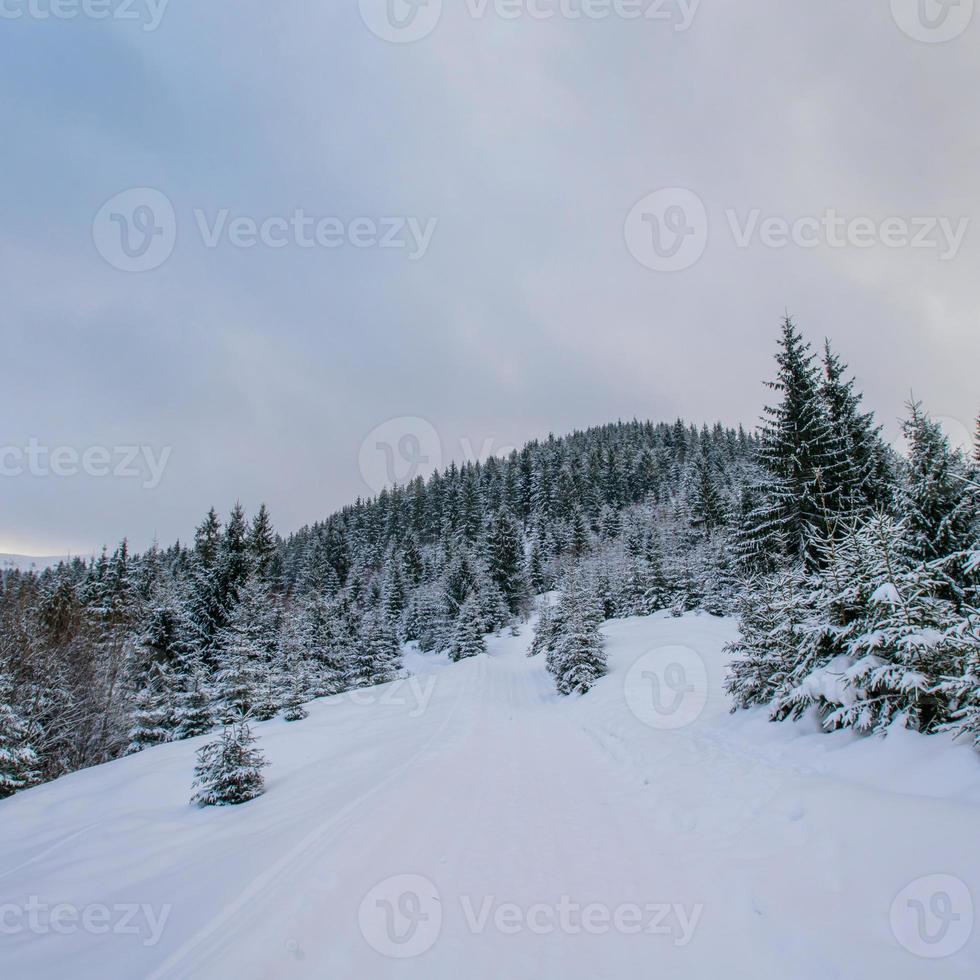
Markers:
point(530, 141)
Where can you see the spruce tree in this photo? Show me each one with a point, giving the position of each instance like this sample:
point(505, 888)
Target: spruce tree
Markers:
point(505, 559)
point(193, 714)
point(546, 630)
point(154, 715)
point(19, 763)
point(960, 688)
point(468, 639)
point(866, 480)
point(229, 770)
point(244, 649)
point(766, 657)
point(207, 539)
point(706, 503)
point(262, 544)
point(294, 696)
point(938, 504)
point(377, 659)
point(579, 659)
point(800, 497)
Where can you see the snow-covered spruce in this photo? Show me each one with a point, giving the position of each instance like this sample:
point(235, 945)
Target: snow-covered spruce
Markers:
point(872, 620)
point(570, 636)
point(229, 769)
point(18, 760)
point(468, 639)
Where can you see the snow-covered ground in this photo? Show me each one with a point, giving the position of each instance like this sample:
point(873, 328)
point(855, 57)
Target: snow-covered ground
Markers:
point(468, 823)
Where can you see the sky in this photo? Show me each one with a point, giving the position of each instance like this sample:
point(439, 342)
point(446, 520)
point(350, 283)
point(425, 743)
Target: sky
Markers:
point(286, 252)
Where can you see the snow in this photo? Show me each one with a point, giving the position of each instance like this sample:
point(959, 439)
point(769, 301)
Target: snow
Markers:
point(505, 832)
point(887, 594)
point(831, 682)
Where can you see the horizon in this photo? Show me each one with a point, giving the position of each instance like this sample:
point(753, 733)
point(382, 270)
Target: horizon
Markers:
point(955, 430)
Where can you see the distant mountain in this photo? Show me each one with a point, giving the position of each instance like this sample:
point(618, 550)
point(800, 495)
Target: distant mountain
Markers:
point(29, 563)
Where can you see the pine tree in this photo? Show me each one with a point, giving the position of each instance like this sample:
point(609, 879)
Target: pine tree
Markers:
point(536, 574)
point(799, 499)
point(960, 688)
point(579, 659)
point(765, 658)
point(324, 640)
point(427, 620)
point(377, 659)
point(505, 559)
point(154, 715)
point(19, 763)
point(467, 639)
point(937, 504)
point(207, 539)
point(866, 477)
point(906, 653)
point(193, 714)
point(229, 770)
point(493, 610)
point(262, 544)
point(294, 684)
point(578, 534)
point(706, 503)
point(245, 647)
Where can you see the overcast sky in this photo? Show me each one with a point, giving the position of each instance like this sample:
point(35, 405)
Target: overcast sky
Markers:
point(486, 226)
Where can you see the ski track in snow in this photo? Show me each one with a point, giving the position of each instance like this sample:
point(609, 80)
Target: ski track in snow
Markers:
point(791, 843)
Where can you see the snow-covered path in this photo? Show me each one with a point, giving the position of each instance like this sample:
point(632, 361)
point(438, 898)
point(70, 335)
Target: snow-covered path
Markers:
point(469, 823)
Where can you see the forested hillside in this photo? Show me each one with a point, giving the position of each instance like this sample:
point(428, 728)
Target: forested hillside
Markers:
point(855, 572)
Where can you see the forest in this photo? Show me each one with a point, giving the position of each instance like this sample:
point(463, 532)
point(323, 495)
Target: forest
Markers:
point(854, 571)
